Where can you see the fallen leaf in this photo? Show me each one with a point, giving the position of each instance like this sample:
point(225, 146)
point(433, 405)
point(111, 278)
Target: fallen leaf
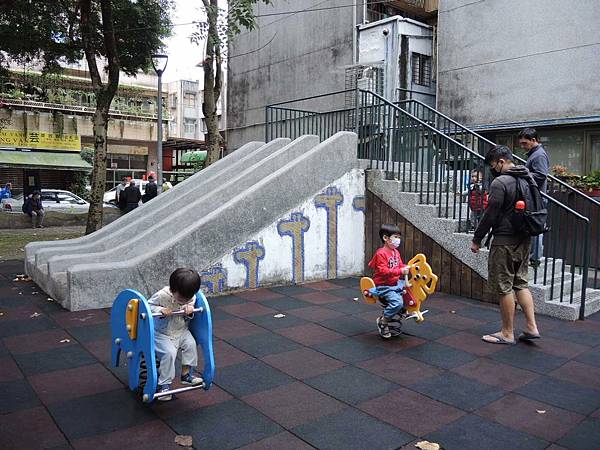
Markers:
point(50, 299)
point(35, 314)
point(183, 440)
point(62, 341)
point(426, 445)
point(20, 293)
point(279, 316)
point(541, 411)
point(1, 314)
point(452, 312)
point(355, 299)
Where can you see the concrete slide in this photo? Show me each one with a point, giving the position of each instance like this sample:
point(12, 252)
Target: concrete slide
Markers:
point(193, 224)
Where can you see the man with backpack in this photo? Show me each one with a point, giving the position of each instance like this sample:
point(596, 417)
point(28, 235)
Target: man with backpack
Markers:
point(515, 212)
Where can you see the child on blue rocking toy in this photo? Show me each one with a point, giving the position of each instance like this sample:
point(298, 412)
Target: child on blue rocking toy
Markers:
point(171, 332)
point(388, 269)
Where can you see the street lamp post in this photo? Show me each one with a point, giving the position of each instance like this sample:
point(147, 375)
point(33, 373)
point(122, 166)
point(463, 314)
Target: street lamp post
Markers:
point(159, 63)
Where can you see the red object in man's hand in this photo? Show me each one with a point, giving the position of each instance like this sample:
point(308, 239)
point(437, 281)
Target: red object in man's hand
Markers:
point(520, 205)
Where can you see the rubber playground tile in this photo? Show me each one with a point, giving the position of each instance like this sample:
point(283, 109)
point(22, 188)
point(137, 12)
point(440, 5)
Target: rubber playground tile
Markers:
point(280, 441)
point(352, 306)
point(274, 323)
point(155, 435)
point(349, 350)
point(219, 314)
point(455, 321)
point(226, 329)
point(38, 342)
point(349, 325)
point(303, 363)
point(191, 402)
point(426, 330)
point(248, 309)
point(351, 430)
point(476, 433)
point(26, 326)
point(573, 334)
point(319, 297)
point(469, 343)
point(258, 294)
point(101, 351)
point(29, 429)
point(228, 425)
point(3, 350)
point(309, 334)
point(399, 369)
point(591, 357)
point(458, 391)
point(351, 282)
point(420, 415)
point(9, 370)
point(24, 312)
point(347, 293)
point(485, 315)
point(16, 395)
point(321, 285)
point(293, 404)
point(285, 304)
point(521, 413)
point(56, 359)
point(395, 344)
point(496, 374)
point(316, 313)
point(68, 319)
point(225, 300)
point(351, 385)
point(529, 358)
point(227, 355)
point(259, 345)
point(250, 377)
point(95, 332)
point(555, 347)
point(438, 355)
point(580, 399)
point(585, 436)
point(292, 290)
point(578, 373)
point(63, 385)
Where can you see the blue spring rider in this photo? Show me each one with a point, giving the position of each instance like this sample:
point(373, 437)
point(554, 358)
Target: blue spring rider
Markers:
point(132, 326)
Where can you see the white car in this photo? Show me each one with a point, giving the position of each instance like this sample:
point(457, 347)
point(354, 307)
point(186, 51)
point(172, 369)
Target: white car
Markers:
point(111, 196)
point(52, 200)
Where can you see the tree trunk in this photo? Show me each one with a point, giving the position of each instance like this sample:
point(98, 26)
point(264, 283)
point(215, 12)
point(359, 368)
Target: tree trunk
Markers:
point(212, 83)
point(95, 214)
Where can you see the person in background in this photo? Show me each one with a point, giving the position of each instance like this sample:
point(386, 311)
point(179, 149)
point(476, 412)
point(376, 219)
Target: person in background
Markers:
point(120, 188)
point(33, 208)
point(151, 190)
point(132, 197)
point(6, 192)
point(538, 165)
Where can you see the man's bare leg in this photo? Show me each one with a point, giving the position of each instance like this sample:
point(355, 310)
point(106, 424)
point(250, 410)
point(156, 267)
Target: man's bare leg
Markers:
point(526, 302)
point(507, 313)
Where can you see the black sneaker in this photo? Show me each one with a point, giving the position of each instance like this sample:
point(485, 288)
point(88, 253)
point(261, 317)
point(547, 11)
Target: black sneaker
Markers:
point(384, 330)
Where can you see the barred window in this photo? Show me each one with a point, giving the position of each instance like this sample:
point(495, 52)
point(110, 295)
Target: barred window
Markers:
point(421, 69)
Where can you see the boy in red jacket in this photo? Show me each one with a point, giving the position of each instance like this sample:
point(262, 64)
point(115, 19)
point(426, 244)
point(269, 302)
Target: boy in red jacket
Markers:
point(388, 269)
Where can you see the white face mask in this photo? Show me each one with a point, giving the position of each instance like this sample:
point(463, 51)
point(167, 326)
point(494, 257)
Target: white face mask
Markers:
point(395, 242)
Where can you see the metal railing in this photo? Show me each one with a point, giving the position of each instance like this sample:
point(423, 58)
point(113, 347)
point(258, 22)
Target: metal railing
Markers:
point(436, 163)
point(557, 188)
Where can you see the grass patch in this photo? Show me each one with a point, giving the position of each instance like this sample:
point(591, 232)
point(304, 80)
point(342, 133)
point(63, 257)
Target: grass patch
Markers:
point(13, 242)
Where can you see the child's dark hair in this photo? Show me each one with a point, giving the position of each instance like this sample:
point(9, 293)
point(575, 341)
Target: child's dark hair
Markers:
point(185, 282)
point(388, 230)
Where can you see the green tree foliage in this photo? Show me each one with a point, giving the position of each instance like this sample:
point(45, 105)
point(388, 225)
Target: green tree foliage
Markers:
point(120, 34)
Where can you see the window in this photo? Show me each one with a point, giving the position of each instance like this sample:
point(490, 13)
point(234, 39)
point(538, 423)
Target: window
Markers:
point(189, 127)
point(173, 100)
point(67, 199)
point(189, 100)
point(48, 196)
point(421, 69)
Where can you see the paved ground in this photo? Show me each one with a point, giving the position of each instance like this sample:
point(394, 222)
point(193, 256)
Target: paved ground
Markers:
point(318, 377)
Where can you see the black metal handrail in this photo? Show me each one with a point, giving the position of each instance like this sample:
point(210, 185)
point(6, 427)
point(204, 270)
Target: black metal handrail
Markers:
point(432, 163)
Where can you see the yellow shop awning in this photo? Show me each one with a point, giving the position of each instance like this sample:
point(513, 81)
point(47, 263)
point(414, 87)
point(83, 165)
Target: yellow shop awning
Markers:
point(43, 160)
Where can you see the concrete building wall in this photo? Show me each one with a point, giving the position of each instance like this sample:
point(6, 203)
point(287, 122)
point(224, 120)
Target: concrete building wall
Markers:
point(286, 57)
point(514, 60)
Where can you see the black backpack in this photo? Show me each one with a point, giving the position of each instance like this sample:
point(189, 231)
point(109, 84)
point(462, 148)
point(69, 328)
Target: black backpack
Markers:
point(532, 219)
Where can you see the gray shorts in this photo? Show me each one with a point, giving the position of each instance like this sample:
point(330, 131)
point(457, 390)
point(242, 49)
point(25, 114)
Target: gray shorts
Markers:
point(508, 267)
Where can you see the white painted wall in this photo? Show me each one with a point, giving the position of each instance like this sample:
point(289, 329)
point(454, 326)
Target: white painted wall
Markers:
point(276, 267)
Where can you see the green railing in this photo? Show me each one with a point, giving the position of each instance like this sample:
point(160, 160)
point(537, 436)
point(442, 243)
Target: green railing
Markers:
point(557, 188)
point(435, 164)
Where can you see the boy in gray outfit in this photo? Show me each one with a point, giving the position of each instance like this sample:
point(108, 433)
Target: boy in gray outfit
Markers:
point(171, 333)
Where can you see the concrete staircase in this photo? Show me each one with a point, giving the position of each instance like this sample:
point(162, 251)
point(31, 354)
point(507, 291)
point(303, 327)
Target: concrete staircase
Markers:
point(431, 219)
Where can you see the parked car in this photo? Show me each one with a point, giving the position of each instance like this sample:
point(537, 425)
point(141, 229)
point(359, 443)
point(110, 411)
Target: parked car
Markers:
point(111, 196)
point(52, 200)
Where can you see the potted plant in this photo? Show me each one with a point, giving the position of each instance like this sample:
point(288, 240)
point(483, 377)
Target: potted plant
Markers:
point(591, 183)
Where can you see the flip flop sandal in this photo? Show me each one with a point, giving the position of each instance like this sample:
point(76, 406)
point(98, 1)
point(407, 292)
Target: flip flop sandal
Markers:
point(525, 336)
point(498, 340)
